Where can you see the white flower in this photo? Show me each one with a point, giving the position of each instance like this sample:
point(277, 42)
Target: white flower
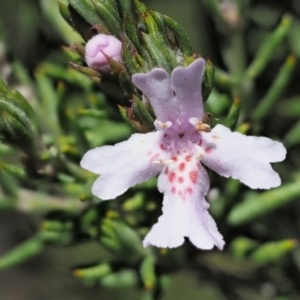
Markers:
point(175, 151)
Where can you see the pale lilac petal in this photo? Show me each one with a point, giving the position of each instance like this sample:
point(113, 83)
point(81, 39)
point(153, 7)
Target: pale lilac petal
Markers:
point(184, 211)
point(246, 158)
point(176, 98)
point(156, 86)
point(186, 83)
point(124, 165)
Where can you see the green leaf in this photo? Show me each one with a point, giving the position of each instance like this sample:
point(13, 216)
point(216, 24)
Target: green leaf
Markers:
point(21, 253)
point(208, 80)
point(64, 12)
point(55, 237)
point(163, 57)
point(217, 103)
point(275, 91)
point(135, 203)
point(223, 79)
point(84, 70)
point(122, 279)
point(109, 14)
point(14, 170)
point(148, 272)
point(292, 137)
point(35, 202)
point(124, 7)
point(129, 58)
point(293, 37)
point(17, 119)
point(241, 245)
point(53, 225)
point(86, 9)
point(289, 107)
point(9, 187)
point(214, 8)
point(273, 251)
point(266, 50)
point(121, 239)
point(181, 36)
point(55, 18)
point(95, 272)
point(260, 204)
point(128, 117)
point(131, 31)
point(141, 112)
point(49, 103)
point(234, 113)
point(82, 26)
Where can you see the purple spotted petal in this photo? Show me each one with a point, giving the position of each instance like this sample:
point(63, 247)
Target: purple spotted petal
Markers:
point(123, 165)
point(246, 158)
point(185, 214)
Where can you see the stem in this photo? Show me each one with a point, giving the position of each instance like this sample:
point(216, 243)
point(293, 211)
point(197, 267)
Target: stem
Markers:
point(237, 59)
point(275, 91)
point(238, 69)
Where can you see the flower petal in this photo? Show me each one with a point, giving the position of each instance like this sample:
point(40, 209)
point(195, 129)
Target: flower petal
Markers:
point(176, 98)
point(246, 158)
point(184, 212)
point(186, 83)
point(124, 165)
point(156, 86)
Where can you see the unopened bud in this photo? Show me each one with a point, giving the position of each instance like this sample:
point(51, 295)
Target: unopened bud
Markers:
point(230, 13)
point(99, 46)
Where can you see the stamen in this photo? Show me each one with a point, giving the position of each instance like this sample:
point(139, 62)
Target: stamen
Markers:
point(162, 126)
point(199, 152)
point(199, 156)
point(208, 118)
point(199, 126)
point(163, 162)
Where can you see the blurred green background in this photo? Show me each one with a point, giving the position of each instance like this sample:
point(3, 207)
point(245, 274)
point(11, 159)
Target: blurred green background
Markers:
point(32, 33)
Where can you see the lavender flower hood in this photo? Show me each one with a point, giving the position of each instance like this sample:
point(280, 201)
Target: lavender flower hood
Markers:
point(175, 151)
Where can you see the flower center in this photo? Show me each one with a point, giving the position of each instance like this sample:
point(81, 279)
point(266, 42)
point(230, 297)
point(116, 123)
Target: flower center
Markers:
point(180, 138)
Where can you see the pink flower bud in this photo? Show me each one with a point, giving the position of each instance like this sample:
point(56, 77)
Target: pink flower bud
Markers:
point(99, 44)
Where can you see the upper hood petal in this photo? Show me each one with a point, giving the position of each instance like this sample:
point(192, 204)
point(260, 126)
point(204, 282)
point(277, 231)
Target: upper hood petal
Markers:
point(175, 97)
point(156, 86)
point(186, 83)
